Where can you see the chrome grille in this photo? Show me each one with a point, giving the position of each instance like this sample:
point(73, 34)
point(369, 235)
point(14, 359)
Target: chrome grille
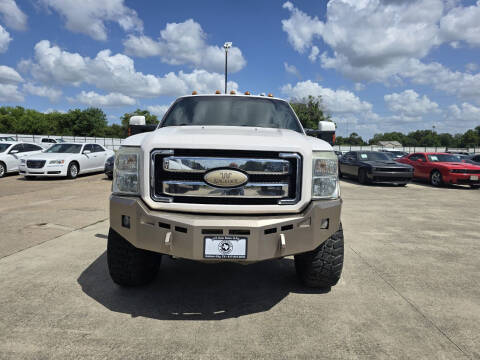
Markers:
point(178, 176)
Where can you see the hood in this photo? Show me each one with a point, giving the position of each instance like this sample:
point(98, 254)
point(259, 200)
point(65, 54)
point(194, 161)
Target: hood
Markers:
point(231, 138)
point(388, 163)
point(50, 156)
point(459, 165)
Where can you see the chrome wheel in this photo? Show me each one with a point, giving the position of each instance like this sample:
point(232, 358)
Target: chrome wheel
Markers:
point(436, 178)
point(72, 171)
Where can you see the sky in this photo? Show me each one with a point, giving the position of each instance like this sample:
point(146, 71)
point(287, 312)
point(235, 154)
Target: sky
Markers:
point(378, 65)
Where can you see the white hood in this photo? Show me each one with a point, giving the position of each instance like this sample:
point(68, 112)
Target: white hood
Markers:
point(228, 138)
point(51, 156)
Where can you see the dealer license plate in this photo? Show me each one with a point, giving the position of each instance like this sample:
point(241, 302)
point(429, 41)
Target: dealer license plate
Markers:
point(473, 177)
point(225, 247)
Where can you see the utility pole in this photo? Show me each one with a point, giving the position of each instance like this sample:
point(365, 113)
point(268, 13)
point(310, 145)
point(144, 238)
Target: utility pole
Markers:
point(226, 46)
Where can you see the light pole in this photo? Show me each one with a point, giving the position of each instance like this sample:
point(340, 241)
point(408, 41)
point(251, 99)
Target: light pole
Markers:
point(226, 46)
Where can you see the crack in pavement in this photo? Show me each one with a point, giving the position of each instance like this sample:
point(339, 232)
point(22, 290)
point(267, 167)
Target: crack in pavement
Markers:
point(411, 303)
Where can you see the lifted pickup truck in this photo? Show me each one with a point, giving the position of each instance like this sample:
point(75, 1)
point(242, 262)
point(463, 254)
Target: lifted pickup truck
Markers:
point(226, 178)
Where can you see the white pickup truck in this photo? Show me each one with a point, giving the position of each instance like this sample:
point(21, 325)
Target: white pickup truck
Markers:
point(226, 178)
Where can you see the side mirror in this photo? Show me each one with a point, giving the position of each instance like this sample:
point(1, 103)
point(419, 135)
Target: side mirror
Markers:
point(86, 152)
point(420, 160)
point(14, 152)
point(137, 120)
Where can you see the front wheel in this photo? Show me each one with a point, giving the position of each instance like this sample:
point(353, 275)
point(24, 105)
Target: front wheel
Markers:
point(72, 171)
point(322, 267)
point(362, 176)
point(3, 170)
point(128, 265)
point(436, 178)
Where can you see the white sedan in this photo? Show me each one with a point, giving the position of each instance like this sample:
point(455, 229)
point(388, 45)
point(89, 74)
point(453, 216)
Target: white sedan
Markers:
point(11, 154)
point(66, 159)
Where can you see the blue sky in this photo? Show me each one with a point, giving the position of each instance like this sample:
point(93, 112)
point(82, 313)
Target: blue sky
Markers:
point(379, 65)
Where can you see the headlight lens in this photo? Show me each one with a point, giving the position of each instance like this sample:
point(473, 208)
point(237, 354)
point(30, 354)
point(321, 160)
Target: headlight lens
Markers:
point(325, 175)
point(59, 162)
point(127, 170)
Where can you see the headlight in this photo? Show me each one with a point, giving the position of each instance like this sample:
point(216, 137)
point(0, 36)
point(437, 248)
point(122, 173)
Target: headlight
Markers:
point(126, 171)
point(56, 162)
point(325, 175)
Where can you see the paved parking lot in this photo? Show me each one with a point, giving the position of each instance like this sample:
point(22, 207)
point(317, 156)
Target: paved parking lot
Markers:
point(410, 286)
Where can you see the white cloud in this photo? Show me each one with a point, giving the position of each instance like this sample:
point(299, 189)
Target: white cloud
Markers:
point(410, 104)
point(12, 16)
point(464, 112)
point(184, 43)
point(301, 28)
point(114, 73)
point(314, 53)
point(335, 101)
point(5, 39)
point(89, 16)
point(462, 24)
point(51, 93)
point(51, 110)
point(471, 67)
point(158, 110)
point(9, 75)
point(91, 98)
point(291, 69)
point(10, 93)
point(359, 86)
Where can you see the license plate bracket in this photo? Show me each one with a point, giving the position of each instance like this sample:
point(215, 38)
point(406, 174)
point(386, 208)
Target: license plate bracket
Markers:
point(225, 247)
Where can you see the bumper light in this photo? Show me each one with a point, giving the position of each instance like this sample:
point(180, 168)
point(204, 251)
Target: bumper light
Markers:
point(126, 171)
point(325, 175)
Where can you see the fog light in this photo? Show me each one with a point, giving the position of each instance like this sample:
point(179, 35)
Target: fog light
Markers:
point(324, 224)
point(126, 221)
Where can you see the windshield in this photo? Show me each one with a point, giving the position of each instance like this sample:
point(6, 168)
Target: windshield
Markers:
point(444, 158)
point(372, 156)
point(4, 147)
point(65, 148)
point(60, 140)
point(232, 111)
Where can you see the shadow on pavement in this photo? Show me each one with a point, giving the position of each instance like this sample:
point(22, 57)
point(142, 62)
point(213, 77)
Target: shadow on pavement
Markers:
point(189, 290)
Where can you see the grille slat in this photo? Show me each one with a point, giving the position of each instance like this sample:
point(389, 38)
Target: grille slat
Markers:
point(161, 176)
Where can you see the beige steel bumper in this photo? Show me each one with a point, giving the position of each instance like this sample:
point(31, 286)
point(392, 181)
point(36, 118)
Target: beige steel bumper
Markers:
point(182, 234)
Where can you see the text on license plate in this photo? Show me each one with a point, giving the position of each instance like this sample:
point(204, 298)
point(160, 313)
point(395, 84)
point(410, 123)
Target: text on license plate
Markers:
point(225, 247)
point(473, 177)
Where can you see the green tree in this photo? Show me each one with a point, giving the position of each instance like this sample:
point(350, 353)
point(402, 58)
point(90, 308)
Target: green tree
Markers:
point(310, 111)
point(88, 122)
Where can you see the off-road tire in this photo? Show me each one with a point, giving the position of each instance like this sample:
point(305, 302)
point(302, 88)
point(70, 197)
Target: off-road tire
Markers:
point(3, 169)
point(362, 176)
point(71, 173)
point(322, 267)
point(436, 178)
point(128, 265)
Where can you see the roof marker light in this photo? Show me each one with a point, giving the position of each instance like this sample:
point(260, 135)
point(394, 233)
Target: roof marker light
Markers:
point(247, 92)
point(217, 92)
point(232, 92)
point(270, 95)
point(194, 93)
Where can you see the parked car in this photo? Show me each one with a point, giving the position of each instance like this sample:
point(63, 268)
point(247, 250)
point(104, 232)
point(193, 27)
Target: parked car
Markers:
point(374, 166)
point(7, 138)
point(12, 152)
point(109, 167)
point(473, 159)
point(50, 141)
point(443, 168)
point(66, 159)
point(340, 153)
point(394, 154)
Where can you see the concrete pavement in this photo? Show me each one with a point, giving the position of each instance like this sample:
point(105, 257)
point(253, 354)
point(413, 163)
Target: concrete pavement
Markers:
point(409, 288)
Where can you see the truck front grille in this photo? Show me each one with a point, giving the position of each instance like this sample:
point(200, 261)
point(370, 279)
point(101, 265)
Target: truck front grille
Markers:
point(178, 176)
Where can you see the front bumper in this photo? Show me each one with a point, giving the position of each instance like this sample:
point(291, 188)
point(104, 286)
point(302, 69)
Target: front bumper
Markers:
point(462, 179)
point(397, 177)
point(47, 170)
point(148, 229)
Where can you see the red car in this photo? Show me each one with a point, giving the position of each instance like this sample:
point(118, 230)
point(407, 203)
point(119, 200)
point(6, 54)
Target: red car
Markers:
point(442, 168)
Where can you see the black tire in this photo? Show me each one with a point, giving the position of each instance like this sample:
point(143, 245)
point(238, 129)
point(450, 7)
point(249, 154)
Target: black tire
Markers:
point(362, 176)
point(128, 265)
point(29, 177)
point(340, 175)
point(402, 184)
point(436, 178)
point(110, 176)
point(475, 186)
point(3, 169)
point(322, 267)
point(73, 170)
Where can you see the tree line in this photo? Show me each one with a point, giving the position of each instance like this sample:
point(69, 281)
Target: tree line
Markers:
point(93, 122)
point(90, 122)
